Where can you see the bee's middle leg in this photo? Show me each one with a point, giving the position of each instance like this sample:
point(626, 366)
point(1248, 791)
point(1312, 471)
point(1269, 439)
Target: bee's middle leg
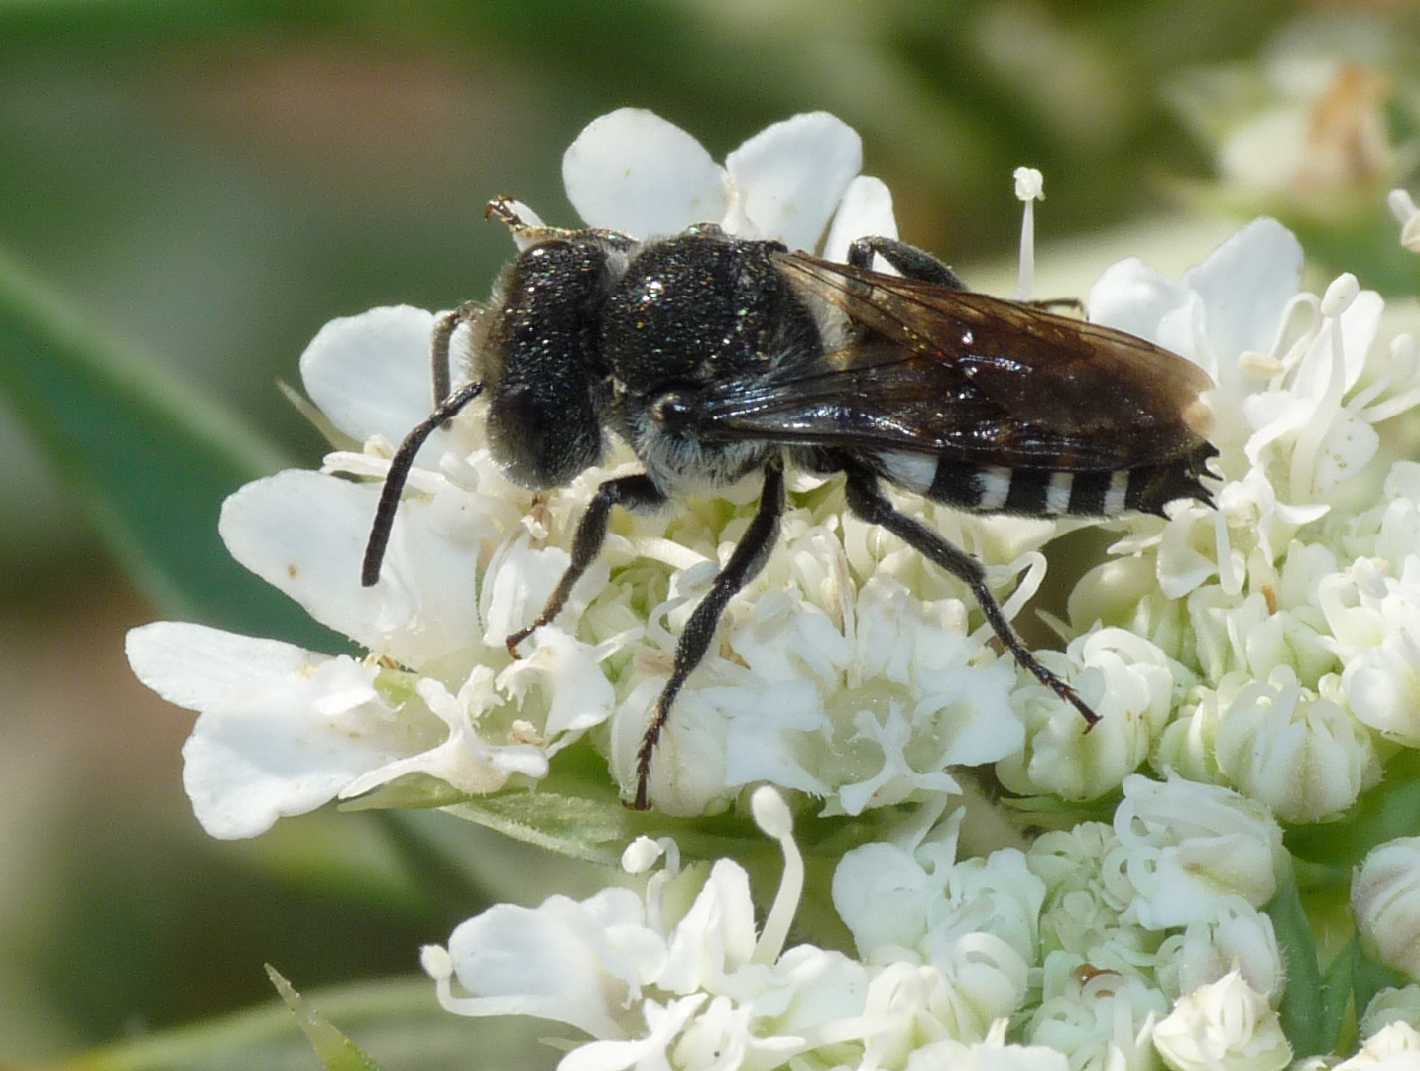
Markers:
point(744, 565)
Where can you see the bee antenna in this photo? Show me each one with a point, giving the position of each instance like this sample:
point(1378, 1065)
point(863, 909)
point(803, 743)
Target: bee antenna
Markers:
point(400, 465)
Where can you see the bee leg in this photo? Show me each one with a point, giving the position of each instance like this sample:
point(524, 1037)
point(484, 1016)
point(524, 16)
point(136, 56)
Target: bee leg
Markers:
point(868, 502)
point(743, 566)
point(400, 465)
point(505, 209)
point(444, 328)
point(633, 492)
point(914, 263)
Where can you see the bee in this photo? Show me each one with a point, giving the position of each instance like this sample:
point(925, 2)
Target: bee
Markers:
point(716, 358)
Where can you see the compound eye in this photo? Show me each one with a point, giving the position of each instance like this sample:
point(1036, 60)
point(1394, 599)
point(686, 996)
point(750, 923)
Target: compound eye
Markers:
point(673, 409)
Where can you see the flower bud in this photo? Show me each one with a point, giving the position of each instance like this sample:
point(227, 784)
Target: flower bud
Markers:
point(1385, 897)
point(1391, 1005)
point(1226, 1026)
point(1193, 849)
point(1396, 1046)
point(1305, 757)
point(1130, 684)
point(1088, 1013)
point(1243, 940)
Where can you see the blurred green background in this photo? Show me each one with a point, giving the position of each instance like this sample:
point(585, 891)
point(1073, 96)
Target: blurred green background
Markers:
point(190, 190)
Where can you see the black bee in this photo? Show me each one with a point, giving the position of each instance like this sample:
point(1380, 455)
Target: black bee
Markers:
point(715, 357)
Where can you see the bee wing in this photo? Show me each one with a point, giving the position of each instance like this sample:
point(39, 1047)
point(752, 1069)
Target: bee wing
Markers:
point(975, 378)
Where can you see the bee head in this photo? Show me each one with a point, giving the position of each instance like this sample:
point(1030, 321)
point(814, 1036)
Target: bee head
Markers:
point(535, 350)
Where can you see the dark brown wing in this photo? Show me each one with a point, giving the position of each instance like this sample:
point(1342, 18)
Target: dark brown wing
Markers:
point(967, 376)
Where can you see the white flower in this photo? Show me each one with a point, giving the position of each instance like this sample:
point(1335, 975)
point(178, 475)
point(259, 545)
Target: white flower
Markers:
point(1385, 896)
point(1096, 1017)
point(1306, 122)
point(634, 172)
point(583, 964)
point(706, 992)
point(1192, 850)
point(1241, 939)
point(934, 897)
point(1375, 620)
point(1087, 894)
point(991, 1054)
point(281, 730)
point(1129, 683)
point(1225, 1026)
point(1391, 1005)
point(1304, 756)
point(1395, 1047)
point(1230, 305)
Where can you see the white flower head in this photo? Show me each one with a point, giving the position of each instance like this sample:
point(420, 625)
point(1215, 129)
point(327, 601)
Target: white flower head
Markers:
point(472, 558)
point(1223, 1026)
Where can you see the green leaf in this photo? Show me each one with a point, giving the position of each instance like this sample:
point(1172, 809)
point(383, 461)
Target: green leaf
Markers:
point(1302, 1009)
point(1388, 811)
point(398, 1021)
point(336, 1051)
point(151, 459)
point(1370, 978)
point(1337, 988)
point(576, 811)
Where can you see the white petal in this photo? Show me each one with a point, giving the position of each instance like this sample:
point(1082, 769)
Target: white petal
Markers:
point(883, 896)
point(716, 937)
point(632, 171)
point(554, 961)
point(371, 375)
point(646, 1054)
point(865, 211)
point(281, 730)
point(1245, 284)
point(790, 176)
point(305, 533)
point(1133, 297)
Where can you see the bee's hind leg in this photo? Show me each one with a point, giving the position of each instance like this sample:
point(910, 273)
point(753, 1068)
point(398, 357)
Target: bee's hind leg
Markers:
point(868, 502)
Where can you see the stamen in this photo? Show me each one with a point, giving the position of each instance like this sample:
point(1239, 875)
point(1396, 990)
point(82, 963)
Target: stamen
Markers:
point(1030, 187)
point(640, 855)
point(439, 965)
point(1034, 563)
point(772, 816)
point(1338, 298)
point(1403, 365)
point(1227, 579)
point(1402, 206)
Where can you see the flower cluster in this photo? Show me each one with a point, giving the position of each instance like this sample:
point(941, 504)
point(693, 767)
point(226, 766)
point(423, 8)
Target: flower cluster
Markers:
point(1255, 662)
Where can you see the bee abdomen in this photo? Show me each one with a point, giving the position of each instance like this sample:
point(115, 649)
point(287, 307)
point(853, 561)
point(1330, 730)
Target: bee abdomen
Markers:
point(1046, 492)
